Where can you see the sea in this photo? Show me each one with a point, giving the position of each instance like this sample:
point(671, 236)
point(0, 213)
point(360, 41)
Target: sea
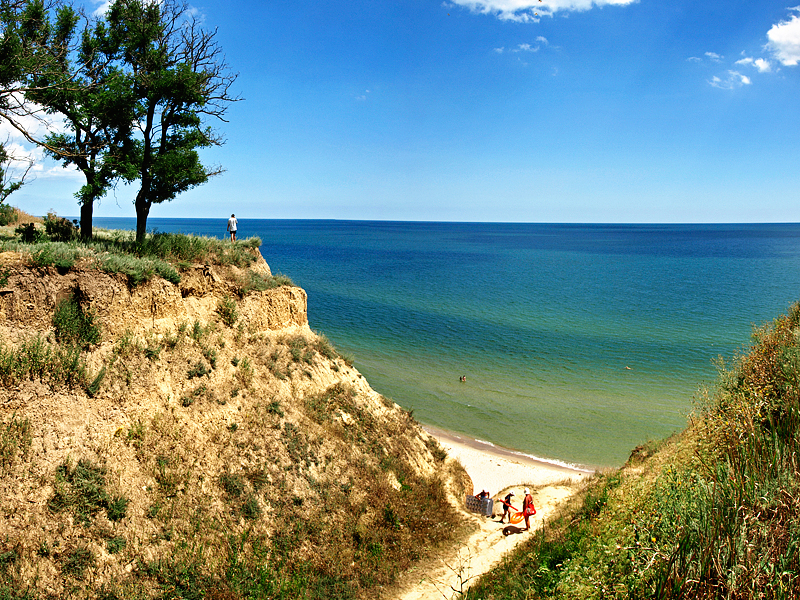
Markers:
point(575, 342)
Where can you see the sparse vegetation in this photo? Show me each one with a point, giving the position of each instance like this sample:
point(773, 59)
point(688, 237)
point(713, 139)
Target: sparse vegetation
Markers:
point(226, 309)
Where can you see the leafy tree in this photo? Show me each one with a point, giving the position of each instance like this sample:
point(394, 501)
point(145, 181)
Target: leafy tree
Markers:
point(180, 78)
point(84, 83)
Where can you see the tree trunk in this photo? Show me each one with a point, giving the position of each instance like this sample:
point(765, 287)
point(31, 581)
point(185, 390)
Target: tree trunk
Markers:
point(86, 219)
point(142, 210)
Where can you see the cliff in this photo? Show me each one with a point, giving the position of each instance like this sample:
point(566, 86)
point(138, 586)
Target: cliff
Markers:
point(189, 440)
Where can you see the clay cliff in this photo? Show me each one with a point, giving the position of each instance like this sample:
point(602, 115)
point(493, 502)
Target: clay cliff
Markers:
point(193, 440)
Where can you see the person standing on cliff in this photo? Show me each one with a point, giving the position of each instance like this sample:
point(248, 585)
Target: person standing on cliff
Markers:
point(528, 510)
point(232, 225)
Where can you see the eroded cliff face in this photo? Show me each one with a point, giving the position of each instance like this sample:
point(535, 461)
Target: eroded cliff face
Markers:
point(30, 295)
point(244, 440)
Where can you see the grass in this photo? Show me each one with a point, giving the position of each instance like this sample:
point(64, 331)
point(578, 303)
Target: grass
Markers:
point(158, 255)
point(36, 359)
point(81, 489)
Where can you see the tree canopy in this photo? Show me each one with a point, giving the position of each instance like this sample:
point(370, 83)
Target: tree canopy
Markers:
point(134, 87)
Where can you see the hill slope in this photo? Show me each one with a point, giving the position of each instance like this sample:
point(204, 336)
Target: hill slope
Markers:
point(193, 440)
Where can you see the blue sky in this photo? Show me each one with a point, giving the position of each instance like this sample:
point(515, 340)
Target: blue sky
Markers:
point(496, 110)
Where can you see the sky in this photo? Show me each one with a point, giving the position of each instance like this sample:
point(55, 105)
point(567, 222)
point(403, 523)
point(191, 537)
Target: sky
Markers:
point(626, 111)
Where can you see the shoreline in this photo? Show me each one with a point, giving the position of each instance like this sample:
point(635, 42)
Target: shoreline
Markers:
point(495, 469)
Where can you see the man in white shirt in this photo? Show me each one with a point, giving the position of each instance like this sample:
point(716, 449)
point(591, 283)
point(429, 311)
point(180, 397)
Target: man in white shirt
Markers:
point(232, 223)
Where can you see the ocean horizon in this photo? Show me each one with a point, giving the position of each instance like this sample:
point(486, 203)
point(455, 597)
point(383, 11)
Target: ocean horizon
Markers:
point(578, 342)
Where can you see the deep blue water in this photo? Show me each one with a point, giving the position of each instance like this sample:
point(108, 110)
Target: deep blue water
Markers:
point(578, 341)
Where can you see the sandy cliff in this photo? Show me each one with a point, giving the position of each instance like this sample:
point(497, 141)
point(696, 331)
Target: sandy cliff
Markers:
point(203, 435)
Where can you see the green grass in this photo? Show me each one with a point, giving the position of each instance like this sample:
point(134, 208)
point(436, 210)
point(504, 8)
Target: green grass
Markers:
point(117, 252)
point(74, 325)
point(36, 359)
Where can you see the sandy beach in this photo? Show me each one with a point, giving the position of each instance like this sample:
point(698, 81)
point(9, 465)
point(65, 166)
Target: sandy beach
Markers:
point(495, 469)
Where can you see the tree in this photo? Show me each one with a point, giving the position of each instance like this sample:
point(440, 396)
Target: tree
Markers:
point(83, 82)
point(180, 78)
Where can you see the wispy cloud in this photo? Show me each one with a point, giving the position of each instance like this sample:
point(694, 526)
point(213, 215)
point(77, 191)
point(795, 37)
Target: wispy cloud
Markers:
point(714, 56)
point(763, 65)
point(784, 40)
point(540, 42)
point(730, 81)
point(526, 11)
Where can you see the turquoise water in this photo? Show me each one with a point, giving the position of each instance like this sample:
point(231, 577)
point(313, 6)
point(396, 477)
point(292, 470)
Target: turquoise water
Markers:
point(578, 342)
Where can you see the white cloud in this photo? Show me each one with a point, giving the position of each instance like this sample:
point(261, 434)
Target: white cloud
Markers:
point(714, 56)
point(526, 11)
point(763, 66)
point(732, 80)
point(784, 40)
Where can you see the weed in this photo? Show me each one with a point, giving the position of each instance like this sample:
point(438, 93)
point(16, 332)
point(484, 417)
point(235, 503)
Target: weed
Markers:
point(115, 545)
point(274, 408)
point(226, 309)
point(77, 561)
point(198, 331)
point(210, 354)
point(152, 352)
point(15, 440)
point(117, 508)
point(81, 489)
point(244, 373)
point(299, 349)
point(251, 509)
point(94, 386)
point(135, 435)
point(323, 345)
point(4, 275)
point(199, 369)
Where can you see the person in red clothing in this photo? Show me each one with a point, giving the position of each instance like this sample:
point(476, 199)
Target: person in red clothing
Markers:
point(528, 510)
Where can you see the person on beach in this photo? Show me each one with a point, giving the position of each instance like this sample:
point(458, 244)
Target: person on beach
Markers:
point(528, 510)
point(232, 225)
point(506, 506)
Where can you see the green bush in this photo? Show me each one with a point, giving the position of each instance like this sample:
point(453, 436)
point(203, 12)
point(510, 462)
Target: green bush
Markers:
point(59, 229)
point(73, 325)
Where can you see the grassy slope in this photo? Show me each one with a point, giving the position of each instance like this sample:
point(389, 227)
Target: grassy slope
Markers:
point(711, 513)
point(304, 495)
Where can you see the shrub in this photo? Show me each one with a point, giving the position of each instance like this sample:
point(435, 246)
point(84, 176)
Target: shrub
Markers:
point(74, 325)
point(28, 233)
point(59, 229)
point(226, 309)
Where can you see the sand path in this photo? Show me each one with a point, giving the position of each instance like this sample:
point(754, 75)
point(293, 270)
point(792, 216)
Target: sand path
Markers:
point(496, 471)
